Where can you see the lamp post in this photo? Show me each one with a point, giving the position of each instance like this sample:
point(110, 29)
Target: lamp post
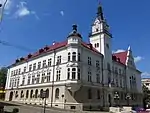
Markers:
point(43, 96)
point(128, 97)
point(116, 98)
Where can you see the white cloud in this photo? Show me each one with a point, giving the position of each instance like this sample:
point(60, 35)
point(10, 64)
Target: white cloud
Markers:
point(62, 13)
point(23, 10)
point(145, 75)
point(118, 51)
point(138, 59)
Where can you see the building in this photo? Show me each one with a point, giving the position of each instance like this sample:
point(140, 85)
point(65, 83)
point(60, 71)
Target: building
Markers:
point(75, 74)
point(146, 82)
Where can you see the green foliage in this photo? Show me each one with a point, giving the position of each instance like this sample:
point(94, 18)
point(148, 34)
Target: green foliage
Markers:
point(3, 75)
point(146, 94)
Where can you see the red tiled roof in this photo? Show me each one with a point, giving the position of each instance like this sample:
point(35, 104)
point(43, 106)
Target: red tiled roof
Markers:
point(122, 56)
point(51, 48)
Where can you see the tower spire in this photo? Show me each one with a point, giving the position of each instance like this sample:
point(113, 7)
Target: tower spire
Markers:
point(100, 11)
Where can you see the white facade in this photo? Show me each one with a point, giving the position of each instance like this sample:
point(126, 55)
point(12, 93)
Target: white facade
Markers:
point(146, 82)
point(76, 75)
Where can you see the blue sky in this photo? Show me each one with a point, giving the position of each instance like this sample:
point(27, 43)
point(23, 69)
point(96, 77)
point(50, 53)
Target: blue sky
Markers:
point(36, 23)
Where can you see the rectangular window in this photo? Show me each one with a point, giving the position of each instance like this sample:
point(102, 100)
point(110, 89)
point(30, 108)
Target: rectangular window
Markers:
point(29, 77)
point(79, 57)
point(89, 61)
point(16, 71)
point(38, 79)
point(97, 78)
point(97, 63)
point(33, 79)
point(24, 69)
point(44, 63)
point(74, 56)
point(43, 78)
point(34, 66)
point(73, 73)
point(89, 77)
point(79, 74)
point(30, 67)
point(12, 73)
point(19, 71)
point(49, 62)
point(58, 75)
point(39, 65)
point(48, 76)
point(23, 81)
point(58, 60)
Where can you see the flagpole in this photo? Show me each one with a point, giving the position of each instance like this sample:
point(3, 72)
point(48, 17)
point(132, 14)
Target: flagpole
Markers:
point(3, 7)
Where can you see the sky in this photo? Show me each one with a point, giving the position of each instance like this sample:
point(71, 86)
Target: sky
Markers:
point(32, 24)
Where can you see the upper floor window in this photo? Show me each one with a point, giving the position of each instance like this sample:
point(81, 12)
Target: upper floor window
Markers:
point(79, 57)
point(48, 76)
point(19, 71)
point(58, 75)
point(39, 65)
point(38, 79)
point(16, 71)
point(73, 73)
point(30, 67)
point(49, 62)
point(68, 73)
point(74, 56)
point(29, 77)
point(89, 61)
point(79, 74)
point(69, 56)
point(43, 78)
point(12, 72)
point(33, 79)
point(34, 66)
point(23, 80)
point(97, 78)
point(25, 69)
point(58, 60)
point(97, 63)
point(89, 76)
point(44, 63)
point(120, 71)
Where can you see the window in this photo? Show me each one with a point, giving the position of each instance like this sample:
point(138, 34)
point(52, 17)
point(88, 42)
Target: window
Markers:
point(74, 56)
point(89, 94)
point(21, 96)
point(97, 63)
point(38, 79)
point(49, 62)
point(58, 75)
point(19, 71)
point(97, 78)
point(79, 57)
point(39, 65)
point(33, 79)
point(36, 93)
point(14, 72)
point(69, 56)
point(73, 73)
point(41, 92)
point(68, 74)
point(89, 76)
point(31, 93)
point(11, 73)
point(23, 80)
point(30, 67)
point(29, 77)
point(43, 78)
point(18, 82)
point(89, 61)
point(34, 66)
point(44, 63)
point(119, 71)
point(58, 60)
point(47, 93)
point(25, 69)
point(79, 74)
point(97, 44)
point(27, 93)
point(98, 94)
point(48, 76)
point(57, 93)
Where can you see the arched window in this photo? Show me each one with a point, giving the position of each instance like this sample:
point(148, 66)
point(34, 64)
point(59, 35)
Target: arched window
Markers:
point(27, 93)
point(21, 94)
point(36, 93)
point(69, 56)
point(41, 92)
point(95, 45)
point(57, 93)
point(47, 93)
point(73, 73)
point(31, 93)
point(68, 74)
point(74, 56)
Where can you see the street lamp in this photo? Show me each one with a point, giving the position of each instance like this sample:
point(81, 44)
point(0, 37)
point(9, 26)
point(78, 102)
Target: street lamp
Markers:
point(116, 98)
point(128, 97)
point(43, 96)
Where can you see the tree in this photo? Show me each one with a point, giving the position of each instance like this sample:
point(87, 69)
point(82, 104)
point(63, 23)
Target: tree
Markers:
point(3, 75)
point(146, 95)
